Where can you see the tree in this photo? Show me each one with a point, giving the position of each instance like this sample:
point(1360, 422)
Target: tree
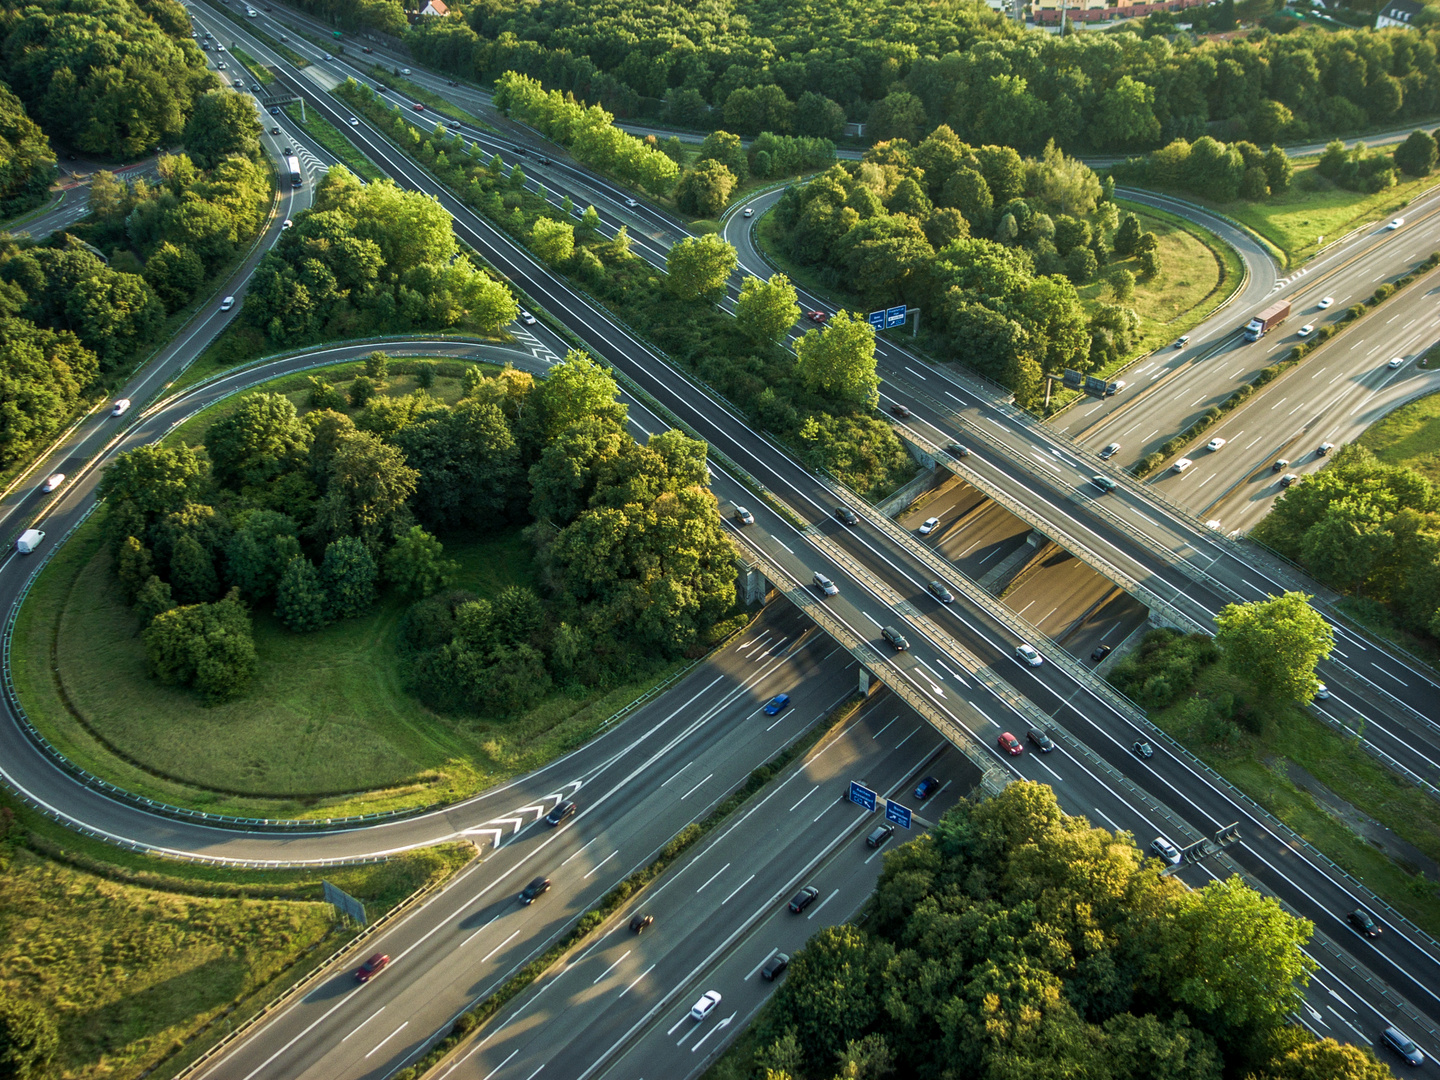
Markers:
point(174, 273)
point(516, 616)
point(362, 389)
point(262, 439)
point(153, 598)
point(1149, 263)
point(1417, 154)
point(1127, 236)
point(192, 572)
point(1304, 1057)
point(699, 267)
point(1278, 170)
point(223, 123)
point(207, 646)
point(469, 465)
point(155, 479)
point(29, 1040)
point(377, 366)
point(899, 115)
point(553, 241)
point(348, 575)
point(767, 310)
point(704, 190)
point(839, 360)
point(133, 567)
point(367, 490)
point(1122, 285)
point(726, 149)
point(1275, 644)
point(258, 551)
point(300, 600)
point(417, 566)
point(818, 116)
point(577, 389)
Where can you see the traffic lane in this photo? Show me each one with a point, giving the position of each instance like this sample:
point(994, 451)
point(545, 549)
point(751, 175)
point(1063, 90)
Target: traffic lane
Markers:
point(1063, 596)
point(704, 901)
point(1111, 622)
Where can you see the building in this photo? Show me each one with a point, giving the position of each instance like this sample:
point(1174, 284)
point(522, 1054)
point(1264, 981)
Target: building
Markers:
point(1048, 12)
point(1401, 13)
point(435, 7)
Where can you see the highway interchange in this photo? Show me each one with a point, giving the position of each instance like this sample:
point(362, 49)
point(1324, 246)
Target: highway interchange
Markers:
point(959, 667)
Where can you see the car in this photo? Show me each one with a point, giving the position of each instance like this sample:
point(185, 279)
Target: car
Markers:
point(381, 88)
point(743, 516)
point(368, 970)
point(825, 585)
point(205, 45)
point(1364, 925)
point(777, 704)
point(1165, 850)
point(926, 788)
point(53, 482)
point(641, 920)
point(287, 151)
point(1027, 655)
point(1110, 451)
point(1279, 464)
point(121, 407)
point(274, 110)
point(774, 966)
point(1181, 465)
point(941, 593)
point(404, 71)
point(1104, 483)
point(879, 835)
point(1041, 738)
point(419, 106)
point(366, 49)
point(1325, 303)
point(1142, 749)
point(1182, 341)
point(1395, 224)
point(526, 318)
point(1322, 692)
point(901, 411)
point(749, 211)
point(954, 449)
point(848, 516)
point(451, 82)
point(1396, 362)
point(1324, 449)
point(928, 526)
point(1288, 479)
point(274, 131)
point(1403, 1045)
point(895, 638)
point(227, 303)
point(354, 122)
point(539, 887)
point(221, 66)
point(1101, 651)
point(631, 203)
point(286, 224)
point(1215, 443)
point(804, 898)
point(219, 48)
point(1115, 387)
point(705, 1005)
point(1010, 744)
point(329, 57)
point(563, 812)
point(817, 317)
point(454, 125)
point(1306, 330)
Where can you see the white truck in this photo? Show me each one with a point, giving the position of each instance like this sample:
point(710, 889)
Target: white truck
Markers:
point(29, 541)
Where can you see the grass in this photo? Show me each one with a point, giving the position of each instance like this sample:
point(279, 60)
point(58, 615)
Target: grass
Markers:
point(139, 976)
point(1409, 436)
point(257, 69)
point(325, 133)
point(1255, 764)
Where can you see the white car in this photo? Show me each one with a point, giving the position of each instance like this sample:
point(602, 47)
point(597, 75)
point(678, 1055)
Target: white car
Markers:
point(631, 203)
point(287, 225)
point(1215, 443)
point(527, 318)
point(1181, 465)
point(706, 1005)
point(1325, 303)
point(1395, 363)
point(1322, 692)
point(121, 407)
point(227, 303)
point(929, 525)
point(749, 211)
point(1110, 451)
point(1395, 224)
point(1164, 849)
point(404, 71)
point(1306, 330)
point(354, 122)
point(1027, 655)
point(53, 483)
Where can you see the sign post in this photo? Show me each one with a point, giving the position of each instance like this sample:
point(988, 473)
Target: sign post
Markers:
point(900, 815)
point(862, 795)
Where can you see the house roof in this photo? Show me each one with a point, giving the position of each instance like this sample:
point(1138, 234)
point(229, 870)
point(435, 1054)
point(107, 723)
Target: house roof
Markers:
point(437, 7)
point(1401, 11)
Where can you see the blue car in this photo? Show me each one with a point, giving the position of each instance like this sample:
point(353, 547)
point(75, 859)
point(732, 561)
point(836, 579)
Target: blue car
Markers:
point(927, 787)
point(777, 704)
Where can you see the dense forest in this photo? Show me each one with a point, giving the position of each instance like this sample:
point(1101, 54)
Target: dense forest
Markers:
point(1015, 942)
point(313, 513)
point(905, 69)
point(27, 164)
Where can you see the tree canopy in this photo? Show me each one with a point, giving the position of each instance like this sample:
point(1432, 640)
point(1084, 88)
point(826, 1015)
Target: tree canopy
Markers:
point(1276, 644)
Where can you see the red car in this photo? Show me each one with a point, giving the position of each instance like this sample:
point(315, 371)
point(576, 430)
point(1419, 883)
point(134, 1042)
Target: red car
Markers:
point(817, 317)
point(1011, 745)
point(368, 969)
point(419, 107)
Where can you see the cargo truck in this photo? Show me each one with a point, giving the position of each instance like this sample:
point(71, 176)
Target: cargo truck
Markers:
point(1267, 320)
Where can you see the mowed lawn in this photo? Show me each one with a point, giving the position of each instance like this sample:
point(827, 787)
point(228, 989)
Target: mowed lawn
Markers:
point(1409, 436)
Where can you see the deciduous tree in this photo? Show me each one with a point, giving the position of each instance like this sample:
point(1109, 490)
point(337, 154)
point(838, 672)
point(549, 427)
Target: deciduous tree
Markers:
point(839, 361)
point(1276, 643)
point(767, 310)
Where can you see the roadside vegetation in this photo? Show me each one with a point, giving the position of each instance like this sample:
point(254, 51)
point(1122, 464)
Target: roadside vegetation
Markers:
point(1408, 438)
point(326, 134)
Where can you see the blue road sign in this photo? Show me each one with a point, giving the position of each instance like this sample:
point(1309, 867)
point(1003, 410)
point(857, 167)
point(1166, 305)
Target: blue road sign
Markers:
point(895, 316)
point(900, 815)
point(876, 319)
point(861, 794)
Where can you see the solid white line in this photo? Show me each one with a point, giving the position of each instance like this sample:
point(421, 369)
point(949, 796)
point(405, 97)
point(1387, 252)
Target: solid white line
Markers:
point(612, 967)
point(592, 840)
point(694, 789)
point(397, 1031)
point(497, 948)
point(885, 728)
point(714, 876)
point(602, 862)
point(682, 769)
point(827, 900)
point(804, 797)
point(502, 1064)
point(632, 985)
point(362, 1023)
point(738, 888)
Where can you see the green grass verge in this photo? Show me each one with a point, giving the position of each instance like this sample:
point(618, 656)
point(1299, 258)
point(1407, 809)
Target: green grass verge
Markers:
point(257, 69)
point(1409, 436)
point(326, 134)
point(142, 969)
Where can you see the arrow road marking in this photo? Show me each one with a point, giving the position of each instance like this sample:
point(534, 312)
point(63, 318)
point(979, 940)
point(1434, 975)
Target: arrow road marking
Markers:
point(718, 1027)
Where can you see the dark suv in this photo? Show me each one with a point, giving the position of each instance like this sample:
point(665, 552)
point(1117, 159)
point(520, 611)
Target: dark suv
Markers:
point(848, 516)
point(804, 898)
point(895, 638)
point(774, 966)
point(1363, 923)
point(539, 887)
point(560, 813)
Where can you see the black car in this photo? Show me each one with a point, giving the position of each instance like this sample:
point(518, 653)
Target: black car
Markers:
point(895, 638)
point(640, 922)
point(804, 898)
point(274, 131)
point(560, 813)
point(944, 595)
point(1143, 749)
point(1041, 738)
point(1364, 925)
point(879, 835)
point(1100, 653)
point(1104, 483)
point(956, 450)
point(848, 516)
point(539, 887)
point(901, 411)
point(774, 966)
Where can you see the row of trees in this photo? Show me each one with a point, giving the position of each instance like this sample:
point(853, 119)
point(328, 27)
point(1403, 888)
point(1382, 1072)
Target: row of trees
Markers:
point(991, 245)
point(369, 258)
point(27, 164)
point(115, 78)
point(724, 163)
point(1015, 940)
point(1212, 169)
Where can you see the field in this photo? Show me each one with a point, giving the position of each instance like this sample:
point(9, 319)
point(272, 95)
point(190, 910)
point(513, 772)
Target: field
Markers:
point(1409, 436)
point(327, 727)
point(133, 974)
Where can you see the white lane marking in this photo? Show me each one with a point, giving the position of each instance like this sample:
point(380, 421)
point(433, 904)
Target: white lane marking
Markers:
point(827, 900)
point(602, 862)
point(1382, 671)
point(737, 889)
point(387, 1038)
point(362, 1023)
point(804, 797)
point(694, 789)
point(682, 769)
point(756, 969)
point(713, 877)
point(497, 948)
point(612, 967)
point(917, 374)
point(592, 840)
point(1108, 818)
point(502, 1064)
point(906, 739)
point(632, 985)
point(885, 728)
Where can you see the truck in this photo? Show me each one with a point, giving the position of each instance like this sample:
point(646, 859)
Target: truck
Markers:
point(29, 541)
point(1267, 320)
